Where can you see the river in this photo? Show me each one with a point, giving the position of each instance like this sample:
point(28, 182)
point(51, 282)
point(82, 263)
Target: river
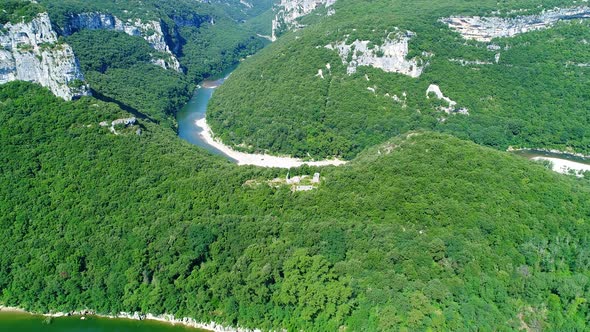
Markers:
point(11, 321)
point(194, 111)
point(193, 127)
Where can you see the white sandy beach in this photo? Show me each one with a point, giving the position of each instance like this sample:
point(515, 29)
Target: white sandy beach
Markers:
point(563, 166)
point(262, 160)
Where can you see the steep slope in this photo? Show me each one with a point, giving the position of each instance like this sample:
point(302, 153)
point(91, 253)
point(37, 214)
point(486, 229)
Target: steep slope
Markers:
point(287, 12)
point(151, 31)
point(364, 74)
point(425, 231)
point(199, 38)
point(31, 52)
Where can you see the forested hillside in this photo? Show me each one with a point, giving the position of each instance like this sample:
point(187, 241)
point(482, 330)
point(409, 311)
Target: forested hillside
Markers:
point(428, 227)
point(301, 97)
point(425, 231)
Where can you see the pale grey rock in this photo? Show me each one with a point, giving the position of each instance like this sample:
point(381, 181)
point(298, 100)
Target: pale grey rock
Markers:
point(464, 62)
point(31, 52)
point(389, 57)
point(151, 31)
point(7, 67)
point(403, 101)
point(484, 29)
point(303, 188)
point(288, 11)
point(246, 3)
point(316, 178)
point(451, 107)
point(124, 121)
point(571, 63)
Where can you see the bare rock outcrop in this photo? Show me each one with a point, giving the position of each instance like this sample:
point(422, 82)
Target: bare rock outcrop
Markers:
point(485, 29)
point(451, 107)
point(288, 11)
point(31, 52)
point(389, 57)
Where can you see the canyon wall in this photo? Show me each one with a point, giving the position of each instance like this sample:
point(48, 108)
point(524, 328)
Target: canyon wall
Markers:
point(30, 51)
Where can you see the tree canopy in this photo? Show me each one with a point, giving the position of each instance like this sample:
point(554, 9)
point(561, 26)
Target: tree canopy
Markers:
point(424, 232)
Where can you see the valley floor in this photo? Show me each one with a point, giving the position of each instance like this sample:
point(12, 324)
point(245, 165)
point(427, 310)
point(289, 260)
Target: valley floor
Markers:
point(262, 160)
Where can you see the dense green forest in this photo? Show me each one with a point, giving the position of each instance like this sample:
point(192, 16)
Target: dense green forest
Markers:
point(535, 95)
point(428, 227)
point(206, 36)
point(154, 9)
point(425, 231)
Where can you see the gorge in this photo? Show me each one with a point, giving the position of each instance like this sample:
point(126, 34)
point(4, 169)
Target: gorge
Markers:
point(113, 217)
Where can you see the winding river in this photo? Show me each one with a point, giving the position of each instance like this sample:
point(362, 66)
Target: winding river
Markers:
point(193, 127)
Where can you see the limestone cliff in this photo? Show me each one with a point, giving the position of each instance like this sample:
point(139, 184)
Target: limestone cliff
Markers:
point(151, 31)
point(389, 57)
point(31, 52)
point(485, 29)
point(288, 11)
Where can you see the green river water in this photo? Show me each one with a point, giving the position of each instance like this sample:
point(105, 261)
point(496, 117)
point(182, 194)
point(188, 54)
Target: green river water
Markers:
point(20, 322)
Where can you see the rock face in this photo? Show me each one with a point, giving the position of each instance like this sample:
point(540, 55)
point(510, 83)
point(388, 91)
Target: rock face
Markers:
point(151, 31)
point(125, 121)
point(288, 11)
point(31, 52)
point(389, 57)
point(485, 29)
point(452, 105)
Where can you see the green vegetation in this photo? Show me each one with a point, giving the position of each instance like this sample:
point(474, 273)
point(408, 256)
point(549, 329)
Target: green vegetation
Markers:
point(211, 49)
point(154, 9)
point(426, 231)
point(423, 230)
point(536, 95)
point(118, 66)
point(100, 50)
point(18, 11)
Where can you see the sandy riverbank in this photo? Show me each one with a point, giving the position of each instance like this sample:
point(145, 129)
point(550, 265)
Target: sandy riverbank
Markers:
point(168, 319)
point(210, 84)
point(11, 309)
point(564, 166)
point(262, 160)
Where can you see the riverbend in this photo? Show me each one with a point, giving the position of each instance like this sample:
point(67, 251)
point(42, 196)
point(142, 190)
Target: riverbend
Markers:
point(193, 127)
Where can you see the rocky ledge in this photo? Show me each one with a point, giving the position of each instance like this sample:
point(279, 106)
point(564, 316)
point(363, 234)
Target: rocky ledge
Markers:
point(451, 107)
point(31, 52)
point(389, 57)
point(485, 29)
point(288, 11)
